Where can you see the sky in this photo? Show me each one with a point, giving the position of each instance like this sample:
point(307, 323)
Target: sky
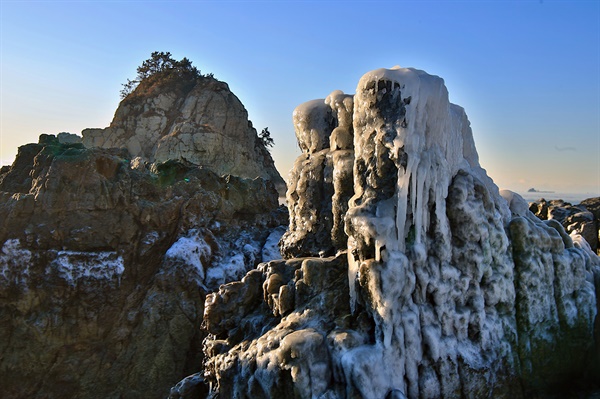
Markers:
point(526, 72)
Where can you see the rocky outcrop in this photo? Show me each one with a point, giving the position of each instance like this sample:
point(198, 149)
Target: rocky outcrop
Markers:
point(582, 219)
point(320, 184)
point(198, 120)
point(105, 263)
point(446, 287)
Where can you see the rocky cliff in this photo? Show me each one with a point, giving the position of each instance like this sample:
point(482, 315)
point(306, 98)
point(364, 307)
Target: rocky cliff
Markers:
point(105, 264)
point(408, 274)
point(198, 120)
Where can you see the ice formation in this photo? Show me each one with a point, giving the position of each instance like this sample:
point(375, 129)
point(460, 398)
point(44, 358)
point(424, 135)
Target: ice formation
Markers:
point(450, 288)
point(14, 263)
point(191, 250)
point(270, 250)
point(73, 266)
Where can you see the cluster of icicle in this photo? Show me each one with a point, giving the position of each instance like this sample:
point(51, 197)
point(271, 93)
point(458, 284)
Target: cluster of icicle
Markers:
point(426, 140)
point(454, 289)
point(409, 143)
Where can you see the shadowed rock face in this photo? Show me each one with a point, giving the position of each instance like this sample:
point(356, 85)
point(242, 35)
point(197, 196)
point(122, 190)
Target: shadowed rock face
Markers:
point(582, 219)
point(440, 286)
point(200, 121)
point(105, 264)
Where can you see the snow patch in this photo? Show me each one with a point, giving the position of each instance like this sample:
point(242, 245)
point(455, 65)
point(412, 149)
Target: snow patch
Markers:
point(14, 263)
point(191, 250)
point(271, 249)
point(231, 268)
point(73, 266)
point(238, 258)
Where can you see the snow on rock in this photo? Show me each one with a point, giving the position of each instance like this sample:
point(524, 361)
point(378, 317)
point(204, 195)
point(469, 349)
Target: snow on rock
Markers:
point(235, 258)
point(14, 263)
point(190, 251)
point(442, 286)
point(73, 266)
point(270, 250)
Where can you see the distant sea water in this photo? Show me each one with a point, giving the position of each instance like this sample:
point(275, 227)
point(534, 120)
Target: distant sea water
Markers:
point(573, 198)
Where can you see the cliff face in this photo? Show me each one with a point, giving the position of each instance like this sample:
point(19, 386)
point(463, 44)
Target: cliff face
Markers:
point(425, 280)
point(105, 264)
point(200, 121)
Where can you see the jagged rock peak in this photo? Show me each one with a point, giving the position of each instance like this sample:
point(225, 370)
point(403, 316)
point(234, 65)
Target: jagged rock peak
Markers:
point(199, 120)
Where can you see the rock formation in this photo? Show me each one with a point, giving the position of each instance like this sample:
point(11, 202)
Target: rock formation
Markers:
point(425, 281)
point(105, 263)
point(582, 219)
point(320, 184)
point(407, 273)
point(198, 120)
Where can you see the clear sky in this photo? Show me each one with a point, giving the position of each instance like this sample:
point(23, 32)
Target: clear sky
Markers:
point(527, 72)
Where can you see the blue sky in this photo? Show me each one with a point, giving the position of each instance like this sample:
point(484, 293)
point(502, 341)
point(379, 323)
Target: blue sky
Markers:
point(527, 72)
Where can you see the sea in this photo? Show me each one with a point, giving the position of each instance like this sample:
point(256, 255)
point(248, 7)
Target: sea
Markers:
point(572, 198)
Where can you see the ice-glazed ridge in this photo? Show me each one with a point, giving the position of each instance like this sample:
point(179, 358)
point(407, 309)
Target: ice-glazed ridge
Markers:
point(405, 114)
point(435, 135)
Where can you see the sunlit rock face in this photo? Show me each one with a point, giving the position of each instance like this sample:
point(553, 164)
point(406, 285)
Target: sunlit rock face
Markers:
point(444, 286)
point(200, 121)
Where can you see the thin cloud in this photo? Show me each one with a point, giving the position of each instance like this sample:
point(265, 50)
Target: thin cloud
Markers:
point(561, 149)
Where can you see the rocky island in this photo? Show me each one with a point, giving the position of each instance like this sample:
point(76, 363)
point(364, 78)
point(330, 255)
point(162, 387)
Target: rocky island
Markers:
point(406, 273)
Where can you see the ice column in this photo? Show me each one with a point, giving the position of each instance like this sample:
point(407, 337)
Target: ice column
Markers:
point(320, 183)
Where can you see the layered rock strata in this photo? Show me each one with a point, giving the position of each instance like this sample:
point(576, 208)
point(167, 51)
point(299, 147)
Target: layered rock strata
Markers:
point(105, 263)
point(446, 287)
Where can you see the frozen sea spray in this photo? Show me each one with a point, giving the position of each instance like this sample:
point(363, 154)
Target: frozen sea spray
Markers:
point(440, 286)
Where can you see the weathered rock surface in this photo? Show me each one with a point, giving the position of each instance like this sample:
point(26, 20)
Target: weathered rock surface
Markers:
point(320, 184)
point(582, 219)
point(105, 264)
point(200, 121)
point(446, 286)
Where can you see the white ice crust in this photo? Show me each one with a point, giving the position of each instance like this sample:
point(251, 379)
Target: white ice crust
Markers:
point(436, 142)
point(190, 250)
point(73, 266)
point(14, 263)
point(70, 266)
point(270, 250)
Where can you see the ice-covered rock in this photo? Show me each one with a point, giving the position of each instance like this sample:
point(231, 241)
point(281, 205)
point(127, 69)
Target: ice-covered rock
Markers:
point(442, 286)
point(320, 183)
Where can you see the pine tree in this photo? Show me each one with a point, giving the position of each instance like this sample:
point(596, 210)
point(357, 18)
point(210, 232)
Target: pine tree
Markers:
point(265, 137)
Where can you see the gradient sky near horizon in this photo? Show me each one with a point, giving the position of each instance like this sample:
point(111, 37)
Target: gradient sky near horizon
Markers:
point(527, 72)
